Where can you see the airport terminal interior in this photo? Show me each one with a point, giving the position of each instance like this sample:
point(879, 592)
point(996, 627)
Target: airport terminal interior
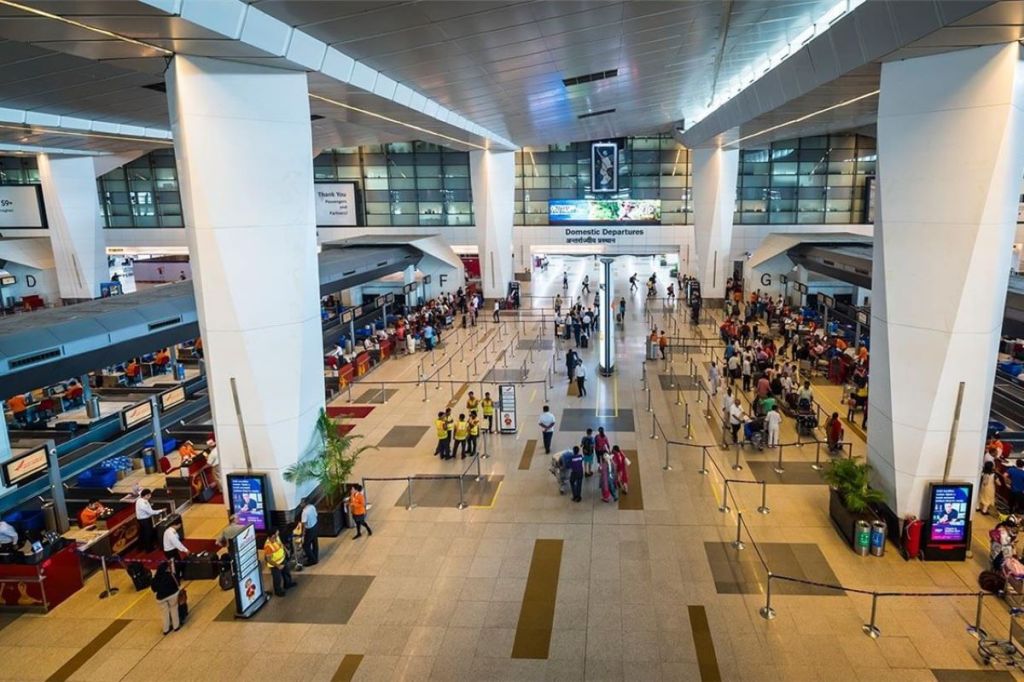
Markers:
point(512, 340)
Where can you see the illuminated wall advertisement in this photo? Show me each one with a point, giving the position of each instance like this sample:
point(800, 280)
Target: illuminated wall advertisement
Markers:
point(336, 204)
point(625, 211)
point(249, 586)
point(21, 206)
point(248, 495)
point(604, 167)
point(949, 510)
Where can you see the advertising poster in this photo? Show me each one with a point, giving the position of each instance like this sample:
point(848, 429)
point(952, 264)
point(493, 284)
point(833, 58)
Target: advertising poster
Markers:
point(336, 204)
point(626, 211)
point(249, 586)
point(507, 408)
point(950, 509)
point(248, 499)
point(604, 167)
point(21, 207)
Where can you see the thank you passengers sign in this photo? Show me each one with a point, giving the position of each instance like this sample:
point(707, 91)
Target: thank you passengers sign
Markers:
point(335, 204)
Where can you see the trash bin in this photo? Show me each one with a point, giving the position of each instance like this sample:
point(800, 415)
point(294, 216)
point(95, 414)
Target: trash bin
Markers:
point(878, 530)
point(862, 538)
point(92, 407)
point(179, 371)
point(149, 460)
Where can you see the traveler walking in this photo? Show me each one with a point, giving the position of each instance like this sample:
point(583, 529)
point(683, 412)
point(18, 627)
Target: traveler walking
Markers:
point(576, 474)
point(581, 380)
point(547, 428)
point(621, 463)
point(166, 588)
point(357, 505)
point(587, 448)
point(774, 423)
point(987, 489)
point(714, 378)
point(310, 541)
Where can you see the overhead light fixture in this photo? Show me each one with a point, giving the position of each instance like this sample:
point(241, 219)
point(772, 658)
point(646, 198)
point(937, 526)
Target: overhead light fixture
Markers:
point(388, 119)
point(87, 27)
point(800, 119)
point(74, 133)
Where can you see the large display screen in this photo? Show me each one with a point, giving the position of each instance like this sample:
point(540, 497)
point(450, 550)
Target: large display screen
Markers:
point(949, 510)
point(248, 495)
point(171, 398)
point(627, 211)
point(136, 414)
point(336, 204)
point(26, 465)
point(249, 586)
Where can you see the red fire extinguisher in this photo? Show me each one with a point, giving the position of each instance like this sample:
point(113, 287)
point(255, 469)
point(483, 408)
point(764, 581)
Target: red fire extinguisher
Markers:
point(912, 537)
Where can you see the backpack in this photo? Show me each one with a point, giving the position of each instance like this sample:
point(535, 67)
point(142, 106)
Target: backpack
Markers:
point(587, 445)
point(992, 582)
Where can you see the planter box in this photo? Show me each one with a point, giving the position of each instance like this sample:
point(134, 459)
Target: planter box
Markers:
point(330, 522)
point(845, 520)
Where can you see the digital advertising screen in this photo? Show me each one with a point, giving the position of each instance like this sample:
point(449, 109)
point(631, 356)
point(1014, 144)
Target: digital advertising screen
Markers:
point(249, 586)
point(248, 494)
point(949, 510)
point(626, 211)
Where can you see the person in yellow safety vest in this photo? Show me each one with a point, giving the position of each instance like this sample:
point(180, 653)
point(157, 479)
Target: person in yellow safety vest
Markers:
point(461, 434)
point(472, 402)
point(441, 427)
point(274, 555)
point(474, 433)
point(450, 421)
point(488, 406)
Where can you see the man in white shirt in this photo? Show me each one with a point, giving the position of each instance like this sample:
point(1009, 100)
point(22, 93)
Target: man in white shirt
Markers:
point(8, 534)
point(310, 540)
point(174, 549)
point(581, 380)
point(547, 428)
point(144, 513)
point(774, 423)
point(736, 417)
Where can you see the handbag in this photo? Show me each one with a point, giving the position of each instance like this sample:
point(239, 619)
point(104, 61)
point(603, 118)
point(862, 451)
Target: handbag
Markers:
point(182, 596)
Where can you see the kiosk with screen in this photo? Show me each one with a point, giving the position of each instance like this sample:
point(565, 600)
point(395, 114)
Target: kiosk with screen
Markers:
point(948, 535)
point(247, 495)
point(249, 592)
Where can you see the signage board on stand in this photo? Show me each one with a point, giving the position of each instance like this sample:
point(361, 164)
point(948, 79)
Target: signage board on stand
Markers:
point(249, 592)
point(507, 422)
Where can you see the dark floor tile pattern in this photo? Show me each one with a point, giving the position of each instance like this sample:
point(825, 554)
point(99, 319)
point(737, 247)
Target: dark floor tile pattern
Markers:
point(613, 421)
point(634, 499)
point(707, 660)
point(973, 675)
point(528, 450)
point(740, 571)
point(376, 396)
point(536, 344)
point(316, 599)
point(670, 383)
point(403, 437)
point(504, 376)
point(537, 613)
point(796, 473)
point(66, 671)
point(444, 493)
point(346, 671)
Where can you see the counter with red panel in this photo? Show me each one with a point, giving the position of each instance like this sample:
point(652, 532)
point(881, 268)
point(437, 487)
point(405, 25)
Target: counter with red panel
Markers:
point(43, 585)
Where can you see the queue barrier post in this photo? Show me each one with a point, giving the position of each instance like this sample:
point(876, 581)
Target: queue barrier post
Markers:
point(778, 465)
point(817, 458)
point(667, 466)
point(108, 591)
point(462, 494)
point(383, 394)
point(870, 629)
point(736, 466)
point(724, 508)
point(689, 426)
point(408, 482)
point(764, 509)
point(424, 391)
point(654, 421)
point(737, 544)
point(648, 400)
point(766, 611)
point(350, 391)
point(703, 471)
point(976, 629)
point(479, 475)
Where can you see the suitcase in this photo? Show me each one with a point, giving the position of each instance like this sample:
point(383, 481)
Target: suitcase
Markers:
point(584, 341)
point(202, 566)
point(226, 579)
point(992, 582)
point(140, 575)
point(182, 606)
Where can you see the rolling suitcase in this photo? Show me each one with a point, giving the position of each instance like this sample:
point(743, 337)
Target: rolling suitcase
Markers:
point(140, 575)
point(584, 341)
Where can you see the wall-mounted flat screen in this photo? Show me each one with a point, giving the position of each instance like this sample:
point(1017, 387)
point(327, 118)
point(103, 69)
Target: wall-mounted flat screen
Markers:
point(171, 398)
point(26, 465)
point(604, 167)
point(589, 211)
point(21, 207)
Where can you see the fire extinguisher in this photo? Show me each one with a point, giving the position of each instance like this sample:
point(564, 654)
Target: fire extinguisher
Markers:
point(912, 537)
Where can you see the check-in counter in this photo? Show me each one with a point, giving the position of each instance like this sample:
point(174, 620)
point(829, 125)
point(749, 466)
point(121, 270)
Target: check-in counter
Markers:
point(41, 581)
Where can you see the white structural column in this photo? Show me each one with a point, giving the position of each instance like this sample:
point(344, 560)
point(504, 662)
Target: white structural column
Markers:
point(492, 175)
point(714, 202)
point(242, 139)
point(75, 224)
point(951, 156)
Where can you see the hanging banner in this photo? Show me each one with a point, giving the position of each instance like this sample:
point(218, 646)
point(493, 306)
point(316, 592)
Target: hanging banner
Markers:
point(21, 207)
point(604, 167)
point(507, 422)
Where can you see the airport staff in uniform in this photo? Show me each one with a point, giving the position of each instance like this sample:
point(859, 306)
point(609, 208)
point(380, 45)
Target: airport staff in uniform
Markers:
point(488, 406)
point(174, 550)
point(274, 555)
point(310, 541)
point(441, 426)
point(144, 513)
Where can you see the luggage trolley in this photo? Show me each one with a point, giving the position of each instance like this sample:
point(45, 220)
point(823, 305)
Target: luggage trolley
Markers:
point(1005, 651)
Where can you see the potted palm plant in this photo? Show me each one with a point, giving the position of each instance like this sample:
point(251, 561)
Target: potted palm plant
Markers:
point(329, 466)
point(851, 496)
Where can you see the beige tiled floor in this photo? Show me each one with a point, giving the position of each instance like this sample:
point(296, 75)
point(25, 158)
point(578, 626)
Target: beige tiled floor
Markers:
point(448, 583)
